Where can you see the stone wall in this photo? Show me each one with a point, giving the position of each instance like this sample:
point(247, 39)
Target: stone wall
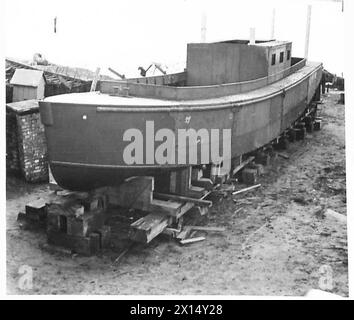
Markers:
point(12, 156)
point(26, 150)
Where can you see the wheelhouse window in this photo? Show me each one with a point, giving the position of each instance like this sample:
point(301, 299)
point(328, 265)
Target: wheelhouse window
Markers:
point(288, 55)
point(273, 59)
point(281, 58)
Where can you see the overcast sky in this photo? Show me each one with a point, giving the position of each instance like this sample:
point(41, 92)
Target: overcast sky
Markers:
point(126, 34)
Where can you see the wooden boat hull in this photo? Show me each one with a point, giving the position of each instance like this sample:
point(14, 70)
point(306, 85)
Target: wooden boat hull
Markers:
point(85, 143)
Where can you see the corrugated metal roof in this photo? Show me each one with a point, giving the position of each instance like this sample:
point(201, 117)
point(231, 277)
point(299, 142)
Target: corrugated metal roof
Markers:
point(26, 77)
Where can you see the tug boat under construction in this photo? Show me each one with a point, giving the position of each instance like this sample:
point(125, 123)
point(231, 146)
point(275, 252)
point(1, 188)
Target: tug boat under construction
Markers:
point(232, 98)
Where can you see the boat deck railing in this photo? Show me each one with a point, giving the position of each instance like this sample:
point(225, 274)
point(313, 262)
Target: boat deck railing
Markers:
point(169, 92)
point(174, 79)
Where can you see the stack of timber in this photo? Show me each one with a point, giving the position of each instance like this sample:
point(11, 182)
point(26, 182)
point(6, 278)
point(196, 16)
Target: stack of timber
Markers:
point(80, 221)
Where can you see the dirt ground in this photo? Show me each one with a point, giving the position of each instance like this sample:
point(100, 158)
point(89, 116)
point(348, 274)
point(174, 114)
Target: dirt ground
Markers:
point(280, 242)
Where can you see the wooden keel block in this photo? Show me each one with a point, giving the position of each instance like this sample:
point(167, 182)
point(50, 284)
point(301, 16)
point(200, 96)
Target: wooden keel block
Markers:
point(27, 221)
point(204, 183)
point(92, 222)
point(75, 227)
point(181, 183)
point(262, 158)
point(300, 125)
point(147, 228)
point(65, 219)
point(308, 123)
point(197, 180)
point(196, 174)
point(291, 135)
point(196, 192)
point(94, 242)
point(300, 133)
point(135, 192)
point(341, 98)
point(259, 168)
point(269, 150)
point(171, 208)
point(317, 125)
point(283, 143)
point(203, 210)
point(37, 208)
point(95, 203)
point(186, 207)
point(310, 126)
point(307, 119)
point(249, 176)
point(82, 245)
point(105, 236)
point(241, 164)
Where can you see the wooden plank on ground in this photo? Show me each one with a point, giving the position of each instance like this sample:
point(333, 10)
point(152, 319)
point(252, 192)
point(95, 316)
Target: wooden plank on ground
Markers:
point(192, 240)
point(283, 155)
point(338, 216)
point(210, 229)
point(246, 189)
point(183, 198)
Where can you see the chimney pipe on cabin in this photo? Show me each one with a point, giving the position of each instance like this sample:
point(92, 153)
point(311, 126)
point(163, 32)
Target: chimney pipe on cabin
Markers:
point(252, 36)
point(272, 32)
point(203, 27)
point(308, 27)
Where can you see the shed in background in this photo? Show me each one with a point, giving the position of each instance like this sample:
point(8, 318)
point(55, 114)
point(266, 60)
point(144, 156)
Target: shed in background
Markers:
point(28, 84)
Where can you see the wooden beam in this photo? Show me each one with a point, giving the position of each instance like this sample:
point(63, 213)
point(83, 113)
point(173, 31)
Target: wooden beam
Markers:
point(184, 233)
point(210, 229)
point(171, 208)
point(181, 183)
point(183, 198)
point(187, 206)
point(147, 228)
point(285, 156)
point(242, 165)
